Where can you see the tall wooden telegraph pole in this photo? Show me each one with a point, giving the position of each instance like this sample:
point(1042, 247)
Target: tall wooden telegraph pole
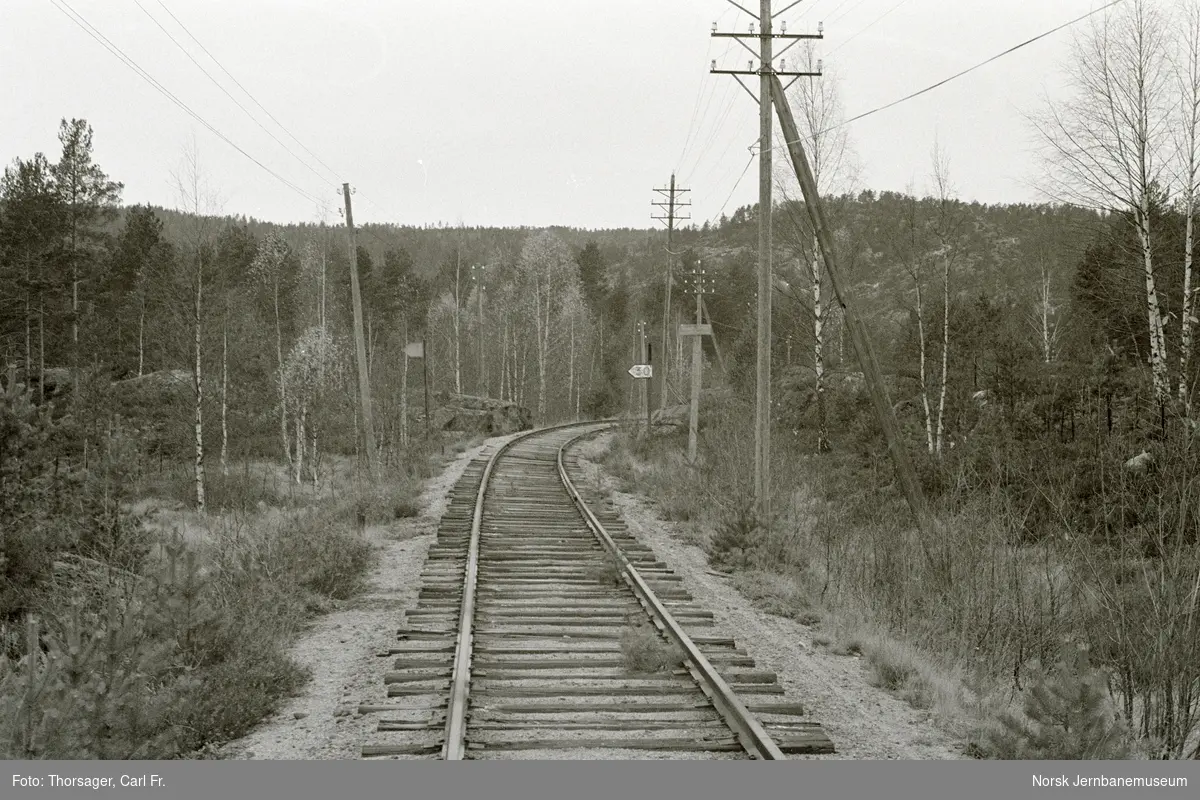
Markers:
point(364, 384)
point(699, 285)
point(671, 203)
point(909, 484)
point(765, 73)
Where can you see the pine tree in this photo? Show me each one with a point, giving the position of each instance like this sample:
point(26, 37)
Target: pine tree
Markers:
point(1067, 716)
point(136, 264)
point(30, 220)
point(89, 200)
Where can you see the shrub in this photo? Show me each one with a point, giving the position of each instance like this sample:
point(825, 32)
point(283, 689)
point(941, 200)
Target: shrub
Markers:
point(232, 696)
point(607, 572)
point(179, 660)
point(734, 542)
point(644, 650)
point(384, 503)
point(101, 684)
point(326, 558)
point(33, 492)
point(1067, 716)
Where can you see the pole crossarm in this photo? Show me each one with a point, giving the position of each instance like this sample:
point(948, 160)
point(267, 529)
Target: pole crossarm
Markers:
point(759, 72)
point(719, 35)
point(671, 204)
point(769, 83)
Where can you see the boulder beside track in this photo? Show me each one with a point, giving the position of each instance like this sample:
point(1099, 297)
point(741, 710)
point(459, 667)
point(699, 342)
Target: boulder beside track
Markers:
point(482, 415)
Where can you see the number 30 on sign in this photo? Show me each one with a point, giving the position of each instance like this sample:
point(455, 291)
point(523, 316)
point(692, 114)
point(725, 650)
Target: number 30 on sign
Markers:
point(641, 371)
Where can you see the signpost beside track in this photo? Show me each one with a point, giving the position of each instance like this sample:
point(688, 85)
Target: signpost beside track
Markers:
point(642, 371)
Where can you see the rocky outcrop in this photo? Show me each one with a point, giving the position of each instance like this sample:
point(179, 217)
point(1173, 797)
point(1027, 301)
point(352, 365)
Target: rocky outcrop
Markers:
point(676, 415)
point(1140, 463)
point(483, 415)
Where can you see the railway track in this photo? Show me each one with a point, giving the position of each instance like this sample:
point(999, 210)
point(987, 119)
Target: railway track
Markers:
point(514, 648)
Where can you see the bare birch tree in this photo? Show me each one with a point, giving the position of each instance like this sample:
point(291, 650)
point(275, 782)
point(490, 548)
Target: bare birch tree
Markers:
point(947, 229)
point(267, 269)
point(312, 268)
point(1108, 146)
point(198, 200)
point(547, 274)
point(1048, 331)
point(574, 310)
point(314, 356)
point(457, 320)
point(818, 104)
point(1187, 70)
point(914, 261)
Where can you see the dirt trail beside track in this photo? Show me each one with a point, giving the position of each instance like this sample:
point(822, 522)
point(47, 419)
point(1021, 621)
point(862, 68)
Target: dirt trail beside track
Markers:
point(341, 648)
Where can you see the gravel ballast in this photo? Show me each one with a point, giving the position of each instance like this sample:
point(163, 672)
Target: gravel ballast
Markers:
point(342, 648)
point(864, 722)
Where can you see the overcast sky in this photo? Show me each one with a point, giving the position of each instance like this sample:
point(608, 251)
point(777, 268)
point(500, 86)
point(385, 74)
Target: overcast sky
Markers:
point(517, 112)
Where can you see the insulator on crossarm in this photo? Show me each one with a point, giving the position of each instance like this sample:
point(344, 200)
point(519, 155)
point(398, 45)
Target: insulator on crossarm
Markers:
point(783, 27)
point(751, 28)
point(714, 27)
point(714, 63)
point(820, 27)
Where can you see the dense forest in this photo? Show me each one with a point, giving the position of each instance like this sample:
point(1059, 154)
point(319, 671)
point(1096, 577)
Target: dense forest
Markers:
point(1039, 358)
point(214, 341)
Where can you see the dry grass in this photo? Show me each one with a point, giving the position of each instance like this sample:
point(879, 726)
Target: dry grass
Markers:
point(814, 565)
point(205, 630)
point(644, 650)
point(607, 572)
point(779, 594)
point(206, 623)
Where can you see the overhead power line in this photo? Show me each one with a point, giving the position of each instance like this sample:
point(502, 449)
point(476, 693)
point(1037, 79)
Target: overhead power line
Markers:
point(237, 83)
point(695, 110)
point(958, 75)
point(717, 130)
point(91, 30)
point(868, 26)
point(736, 184)
point(830, 15)
point(217, 83)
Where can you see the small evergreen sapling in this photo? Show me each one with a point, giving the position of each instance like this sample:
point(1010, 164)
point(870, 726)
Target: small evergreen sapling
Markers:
point(1067, 716)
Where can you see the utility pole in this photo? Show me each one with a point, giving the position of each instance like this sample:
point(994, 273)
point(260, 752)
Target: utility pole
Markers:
point(700, 286)
point(646, 359)
point(425, 381)
point(364, 386)
point(858, 334)
point(644, 391)
point(670, 204)
point(457, 320)
point(765, 73)
point(477, 279)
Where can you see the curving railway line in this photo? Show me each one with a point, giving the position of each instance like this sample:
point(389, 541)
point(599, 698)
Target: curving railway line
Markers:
point(514, 648)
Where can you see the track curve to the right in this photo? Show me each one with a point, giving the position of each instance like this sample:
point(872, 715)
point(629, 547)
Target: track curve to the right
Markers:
point(545, 677)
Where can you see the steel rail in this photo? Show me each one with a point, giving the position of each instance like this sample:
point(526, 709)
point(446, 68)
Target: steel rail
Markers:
point(454, 746)
point(750, 732)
